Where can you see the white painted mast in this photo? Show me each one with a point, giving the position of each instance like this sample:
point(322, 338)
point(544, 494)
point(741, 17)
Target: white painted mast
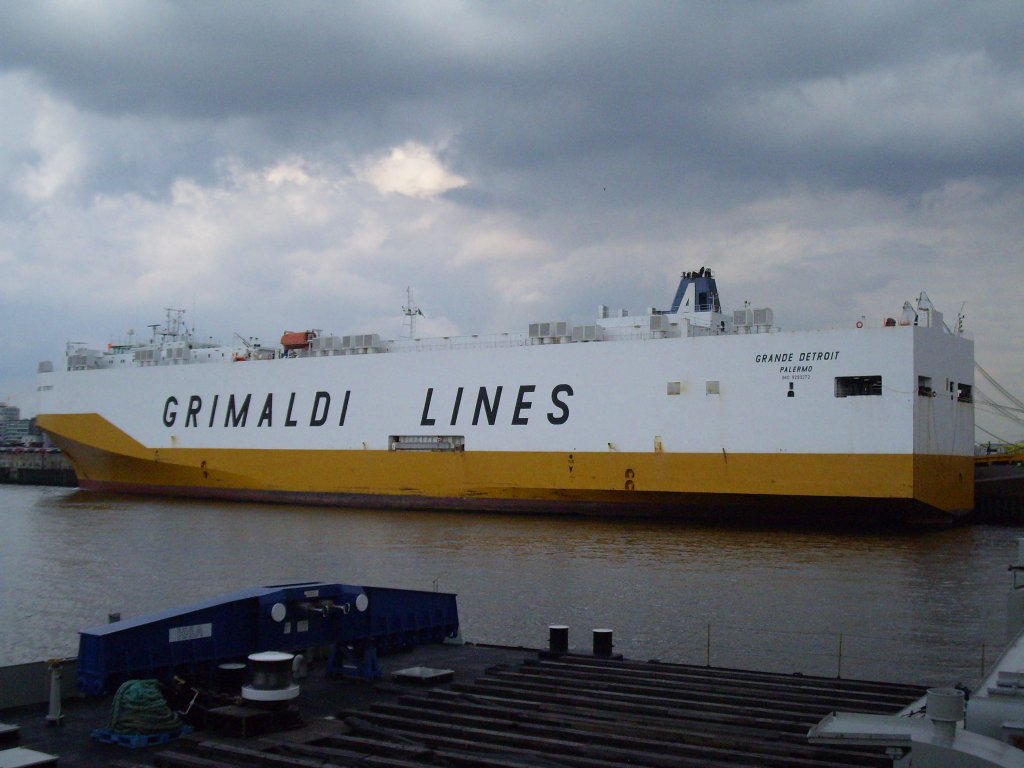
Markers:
point(411, 311)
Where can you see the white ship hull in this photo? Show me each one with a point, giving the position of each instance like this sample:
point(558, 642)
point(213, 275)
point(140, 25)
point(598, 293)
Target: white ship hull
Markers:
point(784, 422)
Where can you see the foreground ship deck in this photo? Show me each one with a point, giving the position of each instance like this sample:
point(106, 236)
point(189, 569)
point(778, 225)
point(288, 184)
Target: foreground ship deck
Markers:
point(682, 411)
point(508, 706)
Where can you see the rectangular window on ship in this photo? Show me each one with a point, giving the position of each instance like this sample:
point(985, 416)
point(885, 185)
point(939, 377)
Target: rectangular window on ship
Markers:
point(858, 386)
point(426, 443)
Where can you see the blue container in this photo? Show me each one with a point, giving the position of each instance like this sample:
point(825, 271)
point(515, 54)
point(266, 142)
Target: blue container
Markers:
point(283, 617)
point(400, 619)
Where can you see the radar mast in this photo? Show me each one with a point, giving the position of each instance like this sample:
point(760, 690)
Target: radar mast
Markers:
point(411, 311)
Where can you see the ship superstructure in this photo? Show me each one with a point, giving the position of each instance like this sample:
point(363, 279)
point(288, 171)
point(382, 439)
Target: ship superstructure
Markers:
point(678, 411)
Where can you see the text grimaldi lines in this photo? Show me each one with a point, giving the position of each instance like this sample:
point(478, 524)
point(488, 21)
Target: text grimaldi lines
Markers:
point(452, 405)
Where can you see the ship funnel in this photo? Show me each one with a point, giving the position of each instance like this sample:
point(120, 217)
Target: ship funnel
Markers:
point(697, 292)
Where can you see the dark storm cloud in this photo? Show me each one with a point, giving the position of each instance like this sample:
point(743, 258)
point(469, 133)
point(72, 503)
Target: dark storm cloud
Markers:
point(862, 94)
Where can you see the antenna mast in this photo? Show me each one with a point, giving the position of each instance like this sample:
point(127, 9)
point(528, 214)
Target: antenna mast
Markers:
point(411, 311)
point(175, 325)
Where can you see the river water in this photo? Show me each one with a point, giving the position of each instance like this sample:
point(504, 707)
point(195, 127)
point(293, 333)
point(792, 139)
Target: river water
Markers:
point(921, 607)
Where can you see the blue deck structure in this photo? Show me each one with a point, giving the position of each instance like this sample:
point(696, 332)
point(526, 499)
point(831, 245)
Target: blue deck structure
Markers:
point(359, 622)
point(697, 292)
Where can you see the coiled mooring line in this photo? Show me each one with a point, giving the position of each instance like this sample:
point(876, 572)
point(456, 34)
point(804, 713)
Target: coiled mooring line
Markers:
point(140, 707)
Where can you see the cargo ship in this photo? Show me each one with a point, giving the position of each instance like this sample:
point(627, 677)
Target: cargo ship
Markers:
point(687, 411)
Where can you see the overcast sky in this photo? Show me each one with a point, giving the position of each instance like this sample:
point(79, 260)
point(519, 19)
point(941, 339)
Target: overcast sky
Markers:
point(272, 166)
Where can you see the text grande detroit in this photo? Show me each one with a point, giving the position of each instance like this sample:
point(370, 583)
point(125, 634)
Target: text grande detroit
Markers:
point(233, 411)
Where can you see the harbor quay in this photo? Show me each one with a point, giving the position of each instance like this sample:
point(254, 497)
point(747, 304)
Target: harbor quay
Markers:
point(35, 466)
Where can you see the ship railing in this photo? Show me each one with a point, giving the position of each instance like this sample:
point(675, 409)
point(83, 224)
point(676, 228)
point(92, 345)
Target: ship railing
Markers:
point(639, 334)
point(490, 341)
point(501, 341)
point(839, 654)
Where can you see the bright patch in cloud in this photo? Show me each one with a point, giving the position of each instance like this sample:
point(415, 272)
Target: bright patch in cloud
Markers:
point(412, 170)
point(498, 242)
point(290, 172)
point(60, 159)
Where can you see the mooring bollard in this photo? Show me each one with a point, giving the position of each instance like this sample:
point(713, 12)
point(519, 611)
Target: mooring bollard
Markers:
point(602, 642)
point(558, 638)
point(231, 676)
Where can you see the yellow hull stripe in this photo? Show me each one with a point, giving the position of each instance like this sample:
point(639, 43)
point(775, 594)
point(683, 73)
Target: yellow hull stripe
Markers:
point(103, 454)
